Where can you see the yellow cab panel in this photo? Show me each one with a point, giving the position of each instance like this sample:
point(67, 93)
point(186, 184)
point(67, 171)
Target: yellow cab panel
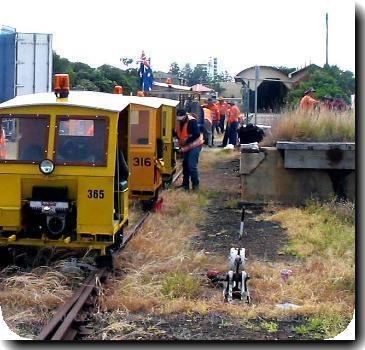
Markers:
point(80, 202)
point(145, 177)
point(169, 156)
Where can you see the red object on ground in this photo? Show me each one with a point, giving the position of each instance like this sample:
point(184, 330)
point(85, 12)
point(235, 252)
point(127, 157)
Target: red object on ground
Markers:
point(158, 205)
point(212, 273)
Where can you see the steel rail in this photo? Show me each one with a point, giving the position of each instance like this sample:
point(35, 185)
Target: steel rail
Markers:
point(69, 307)
point(65, 330)
point(62, 325)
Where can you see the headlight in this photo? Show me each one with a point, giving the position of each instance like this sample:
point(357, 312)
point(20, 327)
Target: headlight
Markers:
point(46, 166)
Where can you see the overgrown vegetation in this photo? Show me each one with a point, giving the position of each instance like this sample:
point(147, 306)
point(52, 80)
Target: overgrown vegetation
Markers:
point(329, 80)
point(322, 235)
point(316, 127)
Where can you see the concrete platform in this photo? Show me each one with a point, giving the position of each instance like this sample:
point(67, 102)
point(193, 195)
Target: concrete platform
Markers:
point(264, 177)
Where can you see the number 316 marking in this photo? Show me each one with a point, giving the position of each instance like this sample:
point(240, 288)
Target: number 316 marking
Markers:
point(141, 161)
point(98, 194)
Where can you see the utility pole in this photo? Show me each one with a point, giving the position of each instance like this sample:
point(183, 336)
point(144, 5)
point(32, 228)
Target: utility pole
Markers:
point(326, 38)
point(257, 74)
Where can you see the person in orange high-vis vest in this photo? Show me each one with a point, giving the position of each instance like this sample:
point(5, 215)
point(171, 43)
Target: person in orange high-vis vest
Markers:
point(307, 103)
point(215, 116)
point(223, 108)
point(191, 141)
point(207, 129)
point(2, 143)
point(233, 120)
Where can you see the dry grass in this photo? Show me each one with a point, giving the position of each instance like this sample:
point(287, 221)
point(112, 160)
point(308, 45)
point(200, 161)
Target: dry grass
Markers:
point(160, 264)
point(28, 299)
point(209, 157)
point(323, 281)
point(165, 276)
point(318, 127)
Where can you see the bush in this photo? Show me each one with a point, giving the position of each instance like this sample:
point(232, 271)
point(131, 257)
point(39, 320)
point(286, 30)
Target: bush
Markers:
point(316, 127)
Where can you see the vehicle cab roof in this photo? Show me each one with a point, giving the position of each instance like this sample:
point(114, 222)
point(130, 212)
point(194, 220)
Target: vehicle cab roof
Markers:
point(87, 99)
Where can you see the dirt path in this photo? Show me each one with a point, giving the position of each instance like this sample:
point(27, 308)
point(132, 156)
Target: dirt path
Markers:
point(263, 239)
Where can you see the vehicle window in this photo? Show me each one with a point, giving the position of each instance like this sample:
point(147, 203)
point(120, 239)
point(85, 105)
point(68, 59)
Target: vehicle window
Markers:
point(140, 127)
point(81, 141)
point(23, 137)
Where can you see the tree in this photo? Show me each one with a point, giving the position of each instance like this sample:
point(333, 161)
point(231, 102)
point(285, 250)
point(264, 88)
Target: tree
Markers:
point(329, 80)
point(103, 78)
point(199, 76)
point(127, 61)
point(187, 72)
point(286, 70)
point(175, 69)
point(86, 85)
point(224, 77)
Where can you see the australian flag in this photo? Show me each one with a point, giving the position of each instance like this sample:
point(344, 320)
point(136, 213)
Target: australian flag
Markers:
point(145, 73)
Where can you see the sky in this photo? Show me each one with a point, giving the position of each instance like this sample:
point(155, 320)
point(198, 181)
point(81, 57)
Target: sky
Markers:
point(240, 33)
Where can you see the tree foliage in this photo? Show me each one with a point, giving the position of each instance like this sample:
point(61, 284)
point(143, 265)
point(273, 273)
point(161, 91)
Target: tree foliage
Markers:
point(103, 78)
point(175, 69)
point(329, 80)
point(199, 75)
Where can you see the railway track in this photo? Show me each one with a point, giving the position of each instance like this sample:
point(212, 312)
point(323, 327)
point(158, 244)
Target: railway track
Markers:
point(65, 324)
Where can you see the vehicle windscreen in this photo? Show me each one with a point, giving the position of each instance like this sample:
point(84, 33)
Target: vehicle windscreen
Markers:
point(81, 140)
point(23, 138)
point(140, 127)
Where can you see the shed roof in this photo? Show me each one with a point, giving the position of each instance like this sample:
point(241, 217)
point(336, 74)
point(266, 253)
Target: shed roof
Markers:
point(267, 73)
point(173, 86)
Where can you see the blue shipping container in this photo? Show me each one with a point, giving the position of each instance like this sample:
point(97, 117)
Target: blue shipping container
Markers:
point(7, 65)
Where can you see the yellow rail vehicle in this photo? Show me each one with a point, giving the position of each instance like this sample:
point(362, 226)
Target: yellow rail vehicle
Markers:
point(63, 174)
point(152, 156)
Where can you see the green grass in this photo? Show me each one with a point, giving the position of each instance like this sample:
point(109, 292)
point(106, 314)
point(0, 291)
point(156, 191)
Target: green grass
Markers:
point(181, 285)
point(270, 327)
point(328, 325)
point(329, 231)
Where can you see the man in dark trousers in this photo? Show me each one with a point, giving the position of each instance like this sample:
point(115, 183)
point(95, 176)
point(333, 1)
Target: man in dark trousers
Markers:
point(190, 141)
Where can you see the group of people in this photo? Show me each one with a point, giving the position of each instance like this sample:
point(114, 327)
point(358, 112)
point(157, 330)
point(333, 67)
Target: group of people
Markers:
point(308, 103)
point(216, 117)
point(220, 117)
point(196, 126)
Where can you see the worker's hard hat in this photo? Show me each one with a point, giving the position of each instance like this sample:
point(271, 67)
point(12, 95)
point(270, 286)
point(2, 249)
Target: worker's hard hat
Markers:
point(311, 89)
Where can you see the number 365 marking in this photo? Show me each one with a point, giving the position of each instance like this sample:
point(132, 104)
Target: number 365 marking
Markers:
point(98, 194)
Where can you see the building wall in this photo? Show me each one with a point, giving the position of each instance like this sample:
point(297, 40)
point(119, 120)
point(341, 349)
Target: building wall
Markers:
point(231, 89)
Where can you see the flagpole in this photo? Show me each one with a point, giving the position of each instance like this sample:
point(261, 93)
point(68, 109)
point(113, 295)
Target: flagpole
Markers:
point(326, 38)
